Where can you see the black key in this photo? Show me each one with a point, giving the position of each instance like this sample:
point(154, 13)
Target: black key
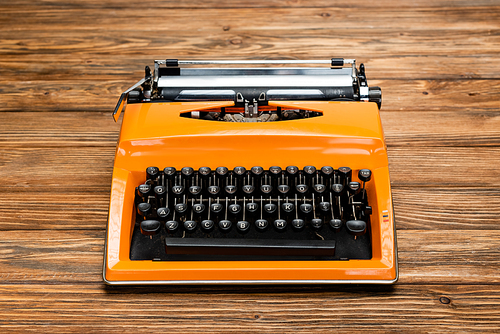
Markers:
point(270, 208)
point(298, 224)
point(162, 213)
point(221, 171)
point(248, 189)
point(335, 224)
point(302, 188)
point(230, 189)
point(181, 208)
point(190, 225)
point(345, 174)
point(354, 188)
point(316, 223)
point(288, 207)
point(143, 191)
point(261, 224)
point(177, 190)
point(266, 189)
point(207, 225)
point(306, 208)
point(195, 190)
point(324, 206)
point(292, 171)
point(171, 226)
point(152, 173)
point(150, 227)
point(239, 172)
point(234, 208)
point(257, 171)
point(327, 171)
point(338, 189)
point(319, 188)
point(356, 227)
point(283, 189)
point(242, 226)
point(225, 225)
point(160, 190)
point(216, 208)
point(213, 190)
point(144, 209)
point(170, 173)
point(252, 207)
point(309, 171)
point(187, 171)
point(275, 170)
point(204, 172)
point(198, 208)
point(365, 175)
point(280, 224)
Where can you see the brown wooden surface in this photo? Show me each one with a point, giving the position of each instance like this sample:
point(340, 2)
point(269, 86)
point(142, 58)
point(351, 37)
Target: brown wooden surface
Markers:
point(63, 66)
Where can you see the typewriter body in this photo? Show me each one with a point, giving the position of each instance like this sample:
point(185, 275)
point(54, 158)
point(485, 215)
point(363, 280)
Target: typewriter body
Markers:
point(251, 175)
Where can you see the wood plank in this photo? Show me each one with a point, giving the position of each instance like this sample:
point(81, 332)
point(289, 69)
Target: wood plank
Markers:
point(425, 257)
point(76, 308)
point(398, 95)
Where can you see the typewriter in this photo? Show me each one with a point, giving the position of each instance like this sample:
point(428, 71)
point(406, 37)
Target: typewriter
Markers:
point(264, 174)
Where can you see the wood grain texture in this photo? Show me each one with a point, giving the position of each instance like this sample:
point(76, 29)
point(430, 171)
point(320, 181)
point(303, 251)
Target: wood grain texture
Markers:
point(62, 67)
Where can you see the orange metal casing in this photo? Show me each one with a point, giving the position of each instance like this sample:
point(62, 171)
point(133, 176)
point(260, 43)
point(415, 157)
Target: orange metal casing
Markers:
point(153, 134)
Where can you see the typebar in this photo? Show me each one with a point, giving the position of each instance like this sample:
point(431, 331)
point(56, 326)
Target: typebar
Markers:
point(212, 246)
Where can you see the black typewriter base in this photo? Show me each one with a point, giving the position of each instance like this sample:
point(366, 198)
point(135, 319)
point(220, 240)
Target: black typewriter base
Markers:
point(346, 245)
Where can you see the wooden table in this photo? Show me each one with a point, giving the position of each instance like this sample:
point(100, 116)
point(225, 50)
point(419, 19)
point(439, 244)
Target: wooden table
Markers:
point(63, 66)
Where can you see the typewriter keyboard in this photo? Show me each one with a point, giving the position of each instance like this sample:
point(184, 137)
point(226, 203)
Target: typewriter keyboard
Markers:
point(276, 213)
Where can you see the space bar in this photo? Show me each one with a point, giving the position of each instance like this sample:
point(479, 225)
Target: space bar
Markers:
point(260, 247)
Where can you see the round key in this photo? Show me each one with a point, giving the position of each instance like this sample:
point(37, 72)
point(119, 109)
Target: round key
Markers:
point(337, 189)
point(190, 225)
point(292, 170)
point(194, 190)
point(213, 190)
point(144, 209)
point(301, 188)
point(169, 171)
point(275, 170)
point(309, 171)
point(252, 207)
point(354, 187)
point(283, 189)
point(234, 208)
point(160, 190)
point(171, 226)
point(204, 172)
point(345, 173)
point(279, 224)
point(180, 208)
point(187, 171)
point(152, 173)
point(239, 171)
point(221, 171)
point(266, 189)
point(216, 207)
point(319, 188)
point(207, 225)
point(335, 224)
point(261, 224)
point(298, 224)
point(288, 207)
point(248, 189)
point(306, 208)
point(365, 175)
point(327, 171)
point(225, 225)
point(270, 208)
point(230, 189)
point(257, 170)
point(144, 189)
point(163, 212)
point(198, 208)
point(242, 226)
point(324, 206)
point(316, 223)
point(177, 190)
point(150, 227)
point(356, 227)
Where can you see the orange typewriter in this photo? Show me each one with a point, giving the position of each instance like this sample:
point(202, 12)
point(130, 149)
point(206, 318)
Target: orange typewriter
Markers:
point(251, 175)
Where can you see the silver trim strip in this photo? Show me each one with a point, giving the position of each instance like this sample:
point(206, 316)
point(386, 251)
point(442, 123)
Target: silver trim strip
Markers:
point(260, 61)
